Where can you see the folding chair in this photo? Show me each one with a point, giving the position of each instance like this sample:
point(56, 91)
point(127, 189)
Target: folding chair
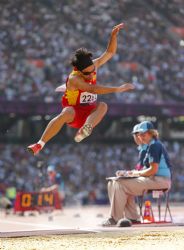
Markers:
point(156, 194)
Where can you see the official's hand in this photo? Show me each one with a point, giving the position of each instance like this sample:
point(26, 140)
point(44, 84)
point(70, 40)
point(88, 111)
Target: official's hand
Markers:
point(133, 173)
point(117, 28)
point(128, 173)
point(121, 172)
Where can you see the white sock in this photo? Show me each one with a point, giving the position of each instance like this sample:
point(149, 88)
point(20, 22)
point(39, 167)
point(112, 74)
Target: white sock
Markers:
point(42, 143)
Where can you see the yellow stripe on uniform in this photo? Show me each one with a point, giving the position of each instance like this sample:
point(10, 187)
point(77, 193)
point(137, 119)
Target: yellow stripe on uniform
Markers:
point(71, 96)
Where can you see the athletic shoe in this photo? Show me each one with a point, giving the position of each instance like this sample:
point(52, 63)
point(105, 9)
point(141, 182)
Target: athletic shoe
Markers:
point(83, 132)
point(109, 222)
point(34, 148)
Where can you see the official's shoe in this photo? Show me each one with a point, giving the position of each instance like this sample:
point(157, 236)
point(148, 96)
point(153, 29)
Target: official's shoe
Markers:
point(124, 223)
point(109, 222)
point(83, 132)
point(34, 148)
point(138, 221)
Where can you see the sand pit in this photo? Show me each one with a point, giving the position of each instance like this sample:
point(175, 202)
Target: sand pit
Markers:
point(79, 229)
point(139, 240)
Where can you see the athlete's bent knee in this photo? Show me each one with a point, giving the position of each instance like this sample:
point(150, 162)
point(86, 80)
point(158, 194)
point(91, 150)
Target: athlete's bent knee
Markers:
point(68, 113)
point(103, 106)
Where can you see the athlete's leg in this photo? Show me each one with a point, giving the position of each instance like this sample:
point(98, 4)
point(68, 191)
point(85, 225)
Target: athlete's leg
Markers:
point(92, 120)
point(66, 116)
point(97, 115)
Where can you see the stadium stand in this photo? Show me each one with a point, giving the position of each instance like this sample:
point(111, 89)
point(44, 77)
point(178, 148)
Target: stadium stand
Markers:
point(37, 40)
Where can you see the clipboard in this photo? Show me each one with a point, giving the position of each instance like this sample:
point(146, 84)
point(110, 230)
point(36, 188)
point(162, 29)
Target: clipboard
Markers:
point(115, 178)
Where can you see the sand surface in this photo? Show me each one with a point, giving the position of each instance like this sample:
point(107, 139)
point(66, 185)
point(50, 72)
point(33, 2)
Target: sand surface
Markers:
point(170, 240)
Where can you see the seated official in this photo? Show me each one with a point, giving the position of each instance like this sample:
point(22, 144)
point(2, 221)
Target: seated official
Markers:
point(156, 174)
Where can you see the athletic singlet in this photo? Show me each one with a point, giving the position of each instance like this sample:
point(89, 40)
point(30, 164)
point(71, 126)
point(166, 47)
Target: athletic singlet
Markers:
point(79, 97)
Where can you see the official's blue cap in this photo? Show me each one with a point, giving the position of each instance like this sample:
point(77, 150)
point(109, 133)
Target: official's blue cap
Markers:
point(145, 126)
point(135, 129)
point(51, 168)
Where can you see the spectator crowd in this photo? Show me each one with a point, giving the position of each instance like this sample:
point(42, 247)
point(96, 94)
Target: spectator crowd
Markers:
point(38, 38)
point(84, 167)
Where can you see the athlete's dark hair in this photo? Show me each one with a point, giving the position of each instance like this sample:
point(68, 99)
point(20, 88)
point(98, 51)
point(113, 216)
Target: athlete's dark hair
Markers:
point(82, 59)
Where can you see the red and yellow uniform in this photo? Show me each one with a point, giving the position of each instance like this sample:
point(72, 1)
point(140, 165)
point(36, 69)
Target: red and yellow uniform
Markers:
point(83, 102)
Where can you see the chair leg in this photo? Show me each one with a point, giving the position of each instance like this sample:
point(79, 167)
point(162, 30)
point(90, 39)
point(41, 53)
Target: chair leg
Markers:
point(167, 208)
point(153, 217)
point(159, 207)
point(140, 204)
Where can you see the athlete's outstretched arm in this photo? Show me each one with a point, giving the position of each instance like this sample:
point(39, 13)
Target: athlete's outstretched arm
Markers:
point(102, 90)
point(111, 48)
point(78, 83)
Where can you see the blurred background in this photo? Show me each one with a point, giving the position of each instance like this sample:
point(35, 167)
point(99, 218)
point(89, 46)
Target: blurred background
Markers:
point(37, 39)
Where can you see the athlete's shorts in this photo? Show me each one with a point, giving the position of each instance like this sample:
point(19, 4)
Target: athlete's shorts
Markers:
point(81, 114)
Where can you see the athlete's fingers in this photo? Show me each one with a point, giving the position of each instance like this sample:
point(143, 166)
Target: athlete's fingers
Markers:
point(117, 28)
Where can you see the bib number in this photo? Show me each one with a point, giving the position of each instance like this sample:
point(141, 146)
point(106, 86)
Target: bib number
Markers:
point(87, 97)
